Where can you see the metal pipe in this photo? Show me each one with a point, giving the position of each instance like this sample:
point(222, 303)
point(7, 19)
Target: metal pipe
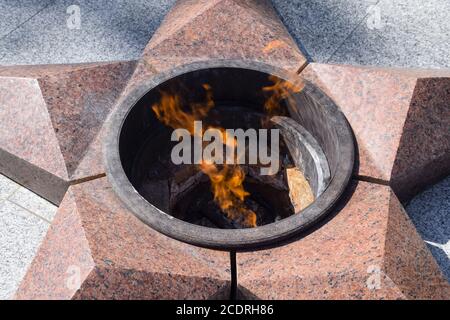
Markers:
point(233, 268)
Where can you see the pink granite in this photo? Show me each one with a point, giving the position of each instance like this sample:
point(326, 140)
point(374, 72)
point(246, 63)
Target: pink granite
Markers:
point(78, 103)
point(201, 30)
point(41, 70)
point(371, 239)
point(118, 257)
point(400, 119)
point(423, 155)
point(53, 129)
point(368, 250)
point(64, 259)
point(26, 129)
point(79, 97)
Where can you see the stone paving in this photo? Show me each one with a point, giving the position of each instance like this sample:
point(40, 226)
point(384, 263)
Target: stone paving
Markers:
point(24, 220)
point(403, 33)
point(430, 212)
point(110, 30)
point(400, 33)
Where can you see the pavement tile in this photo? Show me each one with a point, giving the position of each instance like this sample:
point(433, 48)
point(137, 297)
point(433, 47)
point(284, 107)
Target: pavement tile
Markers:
point(319, 27)
point(412, 33)
point(20, 236)
point(430, 213)
point(7, 187)
point(32, 202)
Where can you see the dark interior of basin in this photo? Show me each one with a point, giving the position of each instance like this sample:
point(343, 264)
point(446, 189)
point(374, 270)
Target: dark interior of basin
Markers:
point(185, 192)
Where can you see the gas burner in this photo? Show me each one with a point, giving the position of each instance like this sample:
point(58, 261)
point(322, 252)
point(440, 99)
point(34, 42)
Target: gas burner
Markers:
point(316, 156)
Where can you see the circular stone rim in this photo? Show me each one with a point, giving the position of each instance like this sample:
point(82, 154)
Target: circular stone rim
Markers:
point(227, 239)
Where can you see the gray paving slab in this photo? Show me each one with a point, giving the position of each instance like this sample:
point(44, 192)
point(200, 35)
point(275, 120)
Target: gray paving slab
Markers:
point(33, 203)
point(20, 236)
point(320, 26)
point(412, 33)
point(108, 30)
point(7, 187)
point(15, 12)
point(430, 212)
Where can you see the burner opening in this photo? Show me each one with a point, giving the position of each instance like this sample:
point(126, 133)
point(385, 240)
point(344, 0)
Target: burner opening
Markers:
point(315, 157)
point(185, 192)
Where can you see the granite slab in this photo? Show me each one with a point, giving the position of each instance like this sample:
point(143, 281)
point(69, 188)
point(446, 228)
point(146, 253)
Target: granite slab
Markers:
point(21, 232)
point(408, 33)
point(220, 29)
point(430, 212)
point(96, 248)
point(320, 27)
point(400, 119)
point(368, 250)
point(52, 122)
point(17, 12)
point(107, 31)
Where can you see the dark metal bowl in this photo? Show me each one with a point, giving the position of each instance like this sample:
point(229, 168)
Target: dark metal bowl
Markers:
point(241, 82)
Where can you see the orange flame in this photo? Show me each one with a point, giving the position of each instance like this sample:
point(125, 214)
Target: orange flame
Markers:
point(281, 89)
point(169, 110)
point(229, 193)
point(227, 183)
